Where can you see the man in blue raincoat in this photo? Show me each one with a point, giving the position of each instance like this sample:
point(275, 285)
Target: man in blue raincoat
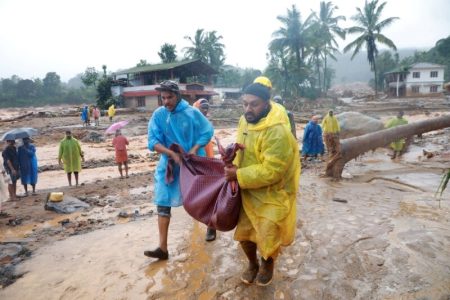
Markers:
point(312, 139)
point(175, 122)
point(28, 165)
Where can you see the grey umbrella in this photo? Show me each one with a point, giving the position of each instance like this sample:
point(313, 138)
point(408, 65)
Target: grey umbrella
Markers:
point(19, 133)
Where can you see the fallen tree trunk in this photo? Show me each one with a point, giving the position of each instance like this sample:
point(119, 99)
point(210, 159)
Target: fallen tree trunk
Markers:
point(354, 147)
point(16, 118)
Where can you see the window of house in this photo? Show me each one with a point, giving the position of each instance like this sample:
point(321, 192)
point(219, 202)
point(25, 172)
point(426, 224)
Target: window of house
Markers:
point(433, 89)
point(140, 101)
point(416, 74)
point(415, 88)
point(433, 74)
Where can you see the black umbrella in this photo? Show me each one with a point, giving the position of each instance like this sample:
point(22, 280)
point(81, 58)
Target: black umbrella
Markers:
point(19, 133)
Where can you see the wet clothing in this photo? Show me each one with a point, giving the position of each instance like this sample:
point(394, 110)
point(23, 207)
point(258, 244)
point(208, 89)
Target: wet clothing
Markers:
point(111, 111)
point(268, 175)
point(185, 126)
point(85, 114)
point(71, 154)
point(330, 124)
point(394, 122)
point(209, 148)
point(120, 145)
point(96, 113)
point(312, 140)
point(331, 129)
point(28, 164)
point(10, 153)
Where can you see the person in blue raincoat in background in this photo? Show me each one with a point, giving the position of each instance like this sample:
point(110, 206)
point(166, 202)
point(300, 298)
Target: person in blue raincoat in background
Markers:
point(312, 139)
point(175, 122)
point(28, 165)
point(85, 116)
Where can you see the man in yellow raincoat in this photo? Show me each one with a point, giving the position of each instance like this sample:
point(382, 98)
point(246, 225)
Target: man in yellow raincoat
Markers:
point(111, 112)
point(397, 146)
point(331, 129)
point(268, 171)
point(70, 155)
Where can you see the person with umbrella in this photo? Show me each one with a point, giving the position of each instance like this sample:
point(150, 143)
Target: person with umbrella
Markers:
point(70, 154)
point(11, 165)
point(175, 122)
point(28, 165)
point(120, 143)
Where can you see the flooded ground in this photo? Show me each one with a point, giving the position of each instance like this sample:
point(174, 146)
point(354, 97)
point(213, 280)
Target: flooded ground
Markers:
point(379, 234)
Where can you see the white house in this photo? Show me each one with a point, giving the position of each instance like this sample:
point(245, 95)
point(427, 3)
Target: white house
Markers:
point(418, 80)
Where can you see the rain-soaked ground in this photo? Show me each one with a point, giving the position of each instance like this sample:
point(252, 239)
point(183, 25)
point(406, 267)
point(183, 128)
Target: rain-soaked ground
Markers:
point(379, 239)
point(378, 234)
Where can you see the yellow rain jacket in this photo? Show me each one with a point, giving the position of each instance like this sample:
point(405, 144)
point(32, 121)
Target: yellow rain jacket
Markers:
point(330, 124)
point(268, 174)
point(394, 122)
point(111, 111)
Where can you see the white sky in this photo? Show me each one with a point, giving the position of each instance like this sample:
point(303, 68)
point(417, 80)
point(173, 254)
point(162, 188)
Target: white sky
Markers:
point(66, 36)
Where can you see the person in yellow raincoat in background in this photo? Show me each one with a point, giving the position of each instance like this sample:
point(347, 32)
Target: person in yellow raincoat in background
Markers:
point(111, 112)
point(331, 129)
point(397, 146)
point(268, 172)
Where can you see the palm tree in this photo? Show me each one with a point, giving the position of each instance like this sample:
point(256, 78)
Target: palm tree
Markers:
point(353, 147)
point(207, 47)
point(198, 49)
point(370, 27)
point(329, 29)
point(292, 34)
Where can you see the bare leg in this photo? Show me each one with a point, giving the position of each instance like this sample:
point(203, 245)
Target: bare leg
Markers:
point(25, 187)
point(120, 169)
point(126, 168)
point(76, 178)
point(251, 272)
point(69, 178)
point(12, 193)
point(34, 188)
point(163, 227)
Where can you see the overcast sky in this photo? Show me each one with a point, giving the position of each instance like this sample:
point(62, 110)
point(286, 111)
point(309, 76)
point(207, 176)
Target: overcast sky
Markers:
point(66, 36)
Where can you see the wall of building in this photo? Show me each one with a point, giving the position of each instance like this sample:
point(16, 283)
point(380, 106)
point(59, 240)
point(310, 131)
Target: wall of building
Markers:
point(422, 85)
point(151, 102)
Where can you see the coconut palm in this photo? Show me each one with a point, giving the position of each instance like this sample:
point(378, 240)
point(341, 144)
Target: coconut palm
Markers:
point(207, 47)
point(198, 49)
point(370, 27)
point(292, 34)
point(329, 28)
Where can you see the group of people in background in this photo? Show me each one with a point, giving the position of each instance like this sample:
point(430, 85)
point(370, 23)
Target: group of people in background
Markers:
point(93, 112)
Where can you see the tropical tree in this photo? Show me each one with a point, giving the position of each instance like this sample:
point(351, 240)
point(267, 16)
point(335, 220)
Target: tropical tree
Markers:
point(89, 77)
point(207, 47)
point(353, 147)
point(329, 29)
point(168, 53)
point(52, 84)
point(369, 27)
point(142, 63)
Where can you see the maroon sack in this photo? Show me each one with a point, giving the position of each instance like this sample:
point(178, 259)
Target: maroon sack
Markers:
point(207, 196)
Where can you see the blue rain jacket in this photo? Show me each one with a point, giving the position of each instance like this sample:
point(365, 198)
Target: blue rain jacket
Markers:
point(312, 139)
point(28, 164)
point(185, 126)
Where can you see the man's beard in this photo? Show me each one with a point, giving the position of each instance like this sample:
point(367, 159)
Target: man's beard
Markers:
point(253, 119)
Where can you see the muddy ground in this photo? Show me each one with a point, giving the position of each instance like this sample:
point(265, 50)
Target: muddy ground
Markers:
point(377, 234)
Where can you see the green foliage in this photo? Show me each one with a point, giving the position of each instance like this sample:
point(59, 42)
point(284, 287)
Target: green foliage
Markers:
point(385, 62)
point(90, 76)
point(104, 94)
point(207, 47)
point(370, 27)
point(17, 92)
point(142, 63)
point(168, 53)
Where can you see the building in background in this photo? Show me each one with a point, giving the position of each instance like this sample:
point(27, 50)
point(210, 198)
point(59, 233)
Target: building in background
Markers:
point(136, 86)
point(419, 79)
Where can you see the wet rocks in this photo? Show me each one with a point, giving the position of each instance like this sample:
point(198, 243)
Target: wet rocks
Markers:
point(94, 137)
point(67, 206)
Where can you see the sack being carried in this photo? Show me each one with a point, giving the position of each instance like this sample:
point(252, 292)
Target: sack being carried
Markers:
point(207, 196)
